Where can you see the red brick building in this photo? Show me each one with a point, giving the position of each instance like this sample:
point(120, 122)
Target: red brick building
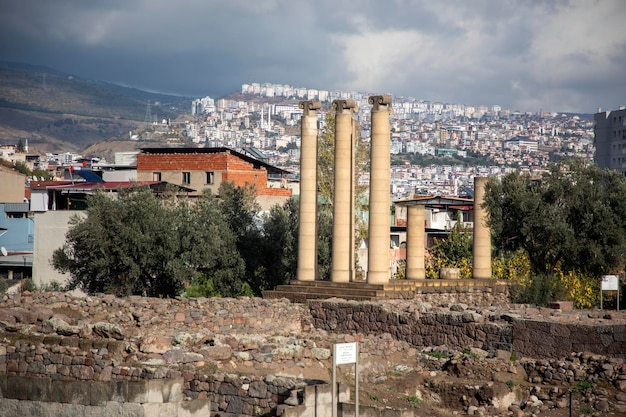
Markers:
point(200, 168)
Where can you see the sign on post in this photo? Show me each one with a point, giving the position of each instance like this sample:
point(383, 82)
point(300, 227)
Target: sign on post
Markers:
point(609, 283)
point(346, 353)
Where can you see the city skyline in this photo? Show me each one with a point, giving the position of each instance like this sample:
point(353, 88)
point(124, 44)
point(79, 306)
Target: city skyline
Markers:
point(565, 56)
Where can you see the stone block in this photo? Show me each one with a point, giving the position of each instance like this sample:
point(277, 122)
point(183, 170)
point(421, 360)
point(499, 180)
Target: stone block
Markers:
point(562, 305)
point(137, 392)
point(101, 392)
point(19, 387)
point(9, 407)
point(3, 385)
point(70, 392)
point(194, 408)
point(160, 409)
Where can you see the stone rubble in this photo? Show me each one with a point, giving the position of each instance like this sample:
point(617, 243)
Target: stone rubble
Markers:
point(248, 356)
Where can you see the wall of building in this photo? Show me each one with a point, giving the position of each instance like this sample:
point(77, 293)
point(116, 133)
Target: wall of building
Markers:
point(50, 230)
point(19, 233)
point(610, 133)
point(12, 185)
point(225, 167)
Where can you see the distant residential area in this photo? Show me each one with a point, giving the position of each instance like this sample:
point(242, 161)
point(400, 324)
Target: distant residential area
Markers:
point(254, 138)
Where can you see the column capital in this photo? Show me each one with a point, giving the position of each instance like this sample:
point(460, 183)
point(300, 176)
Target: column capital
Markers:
point(345, 104)
point(310, 106)
point(378, 101)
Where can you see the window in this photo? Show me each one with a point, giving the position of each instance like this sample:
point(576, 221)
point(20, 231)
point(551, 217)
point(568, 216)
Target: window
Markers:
point(186, 178)
point(156, 176)
point(210, 177)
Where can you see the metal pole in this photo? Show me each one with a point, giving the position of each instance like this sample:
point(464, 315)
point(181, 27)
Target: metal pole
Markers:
point(356, 383)
point(334, 382)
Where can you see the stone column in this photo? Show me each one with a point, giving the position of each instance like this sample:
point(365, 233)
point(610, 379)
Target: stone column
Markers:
point(342, 205)
point(307, 222)
point(482, 234)
point(378, 268)
point(415, 242)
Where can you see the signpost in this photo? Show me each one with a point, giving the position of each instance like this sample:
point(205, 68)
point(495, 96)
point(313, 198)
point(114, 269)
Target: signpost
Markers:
point(609, 283)
point(346, 353)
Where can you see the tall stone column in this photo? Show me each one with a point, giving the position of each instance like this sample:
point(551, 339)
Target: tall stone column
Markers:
point(307, 222)
point(415, 243)
point(343, 208)
point(482, 234)
point(378, 269)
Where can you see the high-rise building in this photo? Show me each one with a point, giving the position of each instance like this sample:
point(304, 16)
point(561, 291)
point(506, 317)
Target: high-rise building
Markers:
point(610, 139)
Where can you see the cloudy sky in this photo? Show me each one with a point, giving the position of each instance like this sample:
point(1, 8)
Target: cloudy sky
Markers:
point(555, 55)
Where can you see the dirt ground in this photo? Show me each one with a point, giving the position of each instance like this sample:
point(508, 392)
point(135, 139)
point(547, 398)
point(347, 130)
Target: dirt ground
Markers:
point(442, 387)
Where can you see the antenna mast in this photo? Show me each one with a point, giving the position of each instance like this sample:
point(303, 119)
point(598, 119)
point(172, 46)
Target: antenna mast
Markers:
point(148, 117)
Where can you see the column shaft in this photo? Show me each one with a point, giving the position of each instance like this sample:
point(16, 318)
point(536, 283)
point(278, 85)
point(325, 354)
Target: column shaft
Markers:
point(307, 222)
point(415, 243)
point(482, 234)
point(378, 268)
point(343, 207)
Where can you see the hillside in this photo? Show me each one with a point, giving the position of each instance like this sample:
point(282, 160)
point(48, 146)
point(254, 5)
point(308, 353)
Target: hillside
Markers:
point(61, 112)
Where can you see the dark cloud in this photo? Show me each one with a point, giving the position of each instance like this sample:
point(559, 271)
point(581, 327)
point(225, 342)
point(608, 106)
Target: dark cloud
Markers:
point(557, 55)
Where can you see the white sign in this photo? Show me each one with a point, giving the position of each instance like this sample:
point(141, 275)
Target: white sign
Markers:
point(609, 283)
point(345, 353)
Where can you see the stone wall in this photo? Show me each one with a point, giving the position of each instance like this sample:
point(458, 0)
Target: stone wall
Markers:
point(44, 396)
point(417, 323)
point(528, 331)
point(544, 339)
point(247, 357)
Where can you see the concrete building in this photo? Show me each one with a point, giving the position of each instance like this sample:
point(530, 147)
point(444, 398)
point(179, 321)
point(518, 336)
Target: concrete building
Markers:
point(12, 185)
point(610, 139)
point(207, 168)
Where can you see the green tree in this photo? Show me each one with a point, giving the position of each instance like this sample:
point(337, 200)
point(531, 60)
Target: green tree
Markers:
point(241, 212)
point(324, 242)
point(571, 218)
point(325, 172)
point(279, 247)
point(138, 244)
point(455, 251)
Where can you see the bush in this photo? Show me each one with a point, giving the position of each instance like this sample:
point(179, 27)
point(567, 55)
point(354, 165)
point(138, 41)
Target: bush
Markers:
point(542, 289)
point(28, 285)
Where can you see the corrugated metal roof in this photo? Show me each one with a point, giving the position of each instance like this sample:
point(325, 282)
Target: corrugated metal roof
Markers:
point(16, 207)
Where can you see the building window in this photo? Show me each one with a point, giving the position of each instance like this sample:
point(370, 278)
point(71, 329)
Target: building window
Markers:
point(210, 177)
point(187, 178)
point(156, 176)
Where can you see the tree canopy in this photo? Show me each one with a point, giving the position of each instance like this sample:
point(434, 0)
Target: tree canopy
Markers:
point(572, 217)
point(325, 173)
point(138, 244)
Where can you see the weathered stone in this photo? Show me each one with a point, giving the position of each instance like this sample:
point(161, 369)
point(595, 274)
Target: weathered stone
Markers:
point(216, 352)
point(320, 353)
point(174, 355)
point(257, 389)
point(155, 344)
point(108, 330)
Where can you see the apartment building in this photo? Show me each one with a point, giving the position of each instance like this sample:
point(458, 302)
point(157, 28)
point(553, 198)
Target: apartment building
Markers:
point(610, 139)
point(208, 168)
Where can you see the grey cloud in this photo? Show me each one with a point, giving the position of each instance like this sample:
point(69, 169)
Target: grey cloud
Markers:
point(478, 52)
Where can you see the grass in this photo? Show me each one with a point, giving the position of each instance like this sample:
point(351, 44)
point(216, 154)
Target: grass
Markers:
point(413, 400)
point(374, 397)
point(586, 410)
point(510, 384)
point(582, 385)
point(439, 355)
